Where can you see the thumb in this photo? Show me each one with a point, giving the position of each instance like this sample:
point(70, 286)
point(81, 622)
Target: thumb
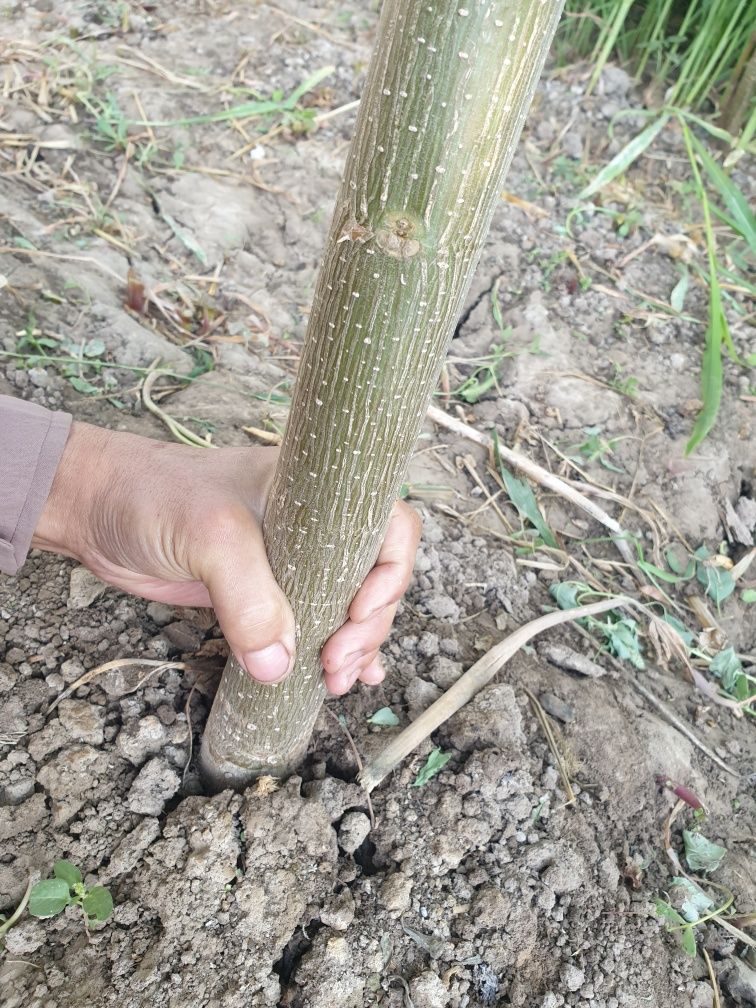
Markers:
point(253, 612)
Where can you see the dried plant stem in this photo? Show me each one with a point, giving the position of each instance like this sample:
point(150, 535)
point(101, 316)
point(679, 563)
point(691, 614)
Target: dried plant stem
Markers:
point(547, 731)
point(470, 683)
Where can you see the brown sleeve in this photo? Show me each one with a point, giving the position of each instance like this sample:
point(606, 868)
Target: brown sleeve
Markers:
point(31, 444)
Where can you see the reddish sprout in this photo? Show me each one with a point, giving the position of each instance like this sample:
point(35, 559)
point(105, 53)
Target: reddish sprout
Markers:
point(135, 296)
point(682, 792)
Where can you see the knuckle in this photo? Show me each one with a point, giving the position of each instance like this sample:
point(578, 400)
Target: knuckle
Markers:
point(261, 615)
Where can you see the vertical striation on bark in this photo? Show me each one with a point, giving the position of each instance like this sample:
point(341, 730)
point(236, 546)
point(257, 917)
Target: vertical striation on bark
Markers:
point(447, 92)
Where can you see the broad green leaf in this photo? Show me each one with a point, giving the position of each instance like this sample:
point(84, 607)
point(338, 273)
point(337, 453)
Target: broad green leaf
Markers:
point(624, 158)
point(740, 212)
point(433, 765)
point(67, 871)
point(48, 897)
point(701, 854)
point(384, 718)
point(718, 582)
point(98, 903)
point(727, 667)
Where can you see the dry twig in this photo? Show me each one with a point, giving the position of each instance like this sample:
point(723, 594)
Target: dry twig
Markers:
point(539, 475)
point(476, 677)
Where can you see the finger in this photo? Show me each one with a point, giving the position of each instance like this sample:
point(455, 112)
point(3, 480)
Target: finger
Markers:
point(253, 612)
point(388, 580)
point(353, 639)
point(342, 681)
point(374, 673)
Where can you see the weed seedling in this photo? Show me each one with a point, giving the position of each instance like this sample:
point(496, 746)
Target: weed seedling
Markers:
point(66, 888)
point(596, 448)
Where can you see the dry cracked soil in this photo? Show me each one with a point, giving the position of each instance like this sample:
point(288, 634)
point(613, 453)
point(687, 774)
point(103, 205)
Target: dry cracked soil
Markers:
point(484, 887)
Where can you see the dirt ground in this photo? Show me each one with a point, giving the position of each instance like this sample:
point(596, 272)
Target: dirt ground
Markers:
point(482, 888)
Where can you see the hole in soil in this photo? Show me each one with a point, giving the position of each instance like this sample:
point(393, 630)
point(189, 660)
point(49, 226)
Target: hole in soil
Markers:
point(365, 855)
point(340, 770)
point(299, 943)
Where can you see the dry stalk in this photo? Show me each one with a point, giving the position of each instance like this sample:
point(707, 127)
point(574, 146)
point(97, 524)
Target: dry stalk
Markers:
point(156, 667)
point(552, 742)
point(470, 683)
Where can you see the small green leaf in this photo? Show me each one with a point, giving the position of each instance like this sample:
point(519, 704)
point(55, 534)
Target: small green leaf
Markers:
point(48, 897)
point(83, 386)
point(523, 499)
point(718, 583)
point(694, 901)
point(711, 375)
point(680, 628)
point(701, 854)
point(67, 871)
point(622, 636)
point(566, 593)
point(688, 942)
point(384, 718)
point(186, 238)
point(677, 297)
point(653, 570)
point(667, 912)
point(748, 595)
point(676, 565)
point(433, 765)
point(98, 903)
point(624, 158)
point(727, 667)
point(94, 348)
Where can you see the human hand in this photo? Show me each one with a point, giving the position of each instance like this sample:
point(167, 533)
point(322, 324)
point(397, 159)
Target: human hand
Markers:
point(183, 526)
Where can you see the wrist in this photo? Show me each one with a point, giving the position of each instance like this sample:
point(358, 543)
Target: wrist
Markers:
point(72, 503)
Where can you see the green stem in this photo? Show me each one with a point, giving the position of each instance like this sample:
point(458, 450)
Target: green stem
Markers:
point(447, 93)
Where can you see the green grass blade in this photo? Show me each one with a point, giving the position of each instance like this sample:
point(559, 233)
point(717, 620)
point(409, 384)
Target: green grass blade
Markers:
point(607, 41)
point(741, 214)
point(250, 110)
point(523, 499)
point(711, 383)
point(624, 158)
point(717, 331)
point(716, 131)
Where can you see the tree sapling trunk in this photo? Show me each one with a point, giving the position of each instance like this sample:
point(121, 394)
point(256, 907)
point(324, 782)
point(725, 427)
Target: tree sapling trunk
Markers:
point(447, 93)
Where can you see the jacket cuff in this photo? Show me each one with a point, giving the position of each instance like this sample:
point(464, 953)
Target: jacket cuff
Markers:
point(32, 440)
